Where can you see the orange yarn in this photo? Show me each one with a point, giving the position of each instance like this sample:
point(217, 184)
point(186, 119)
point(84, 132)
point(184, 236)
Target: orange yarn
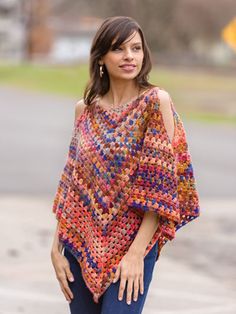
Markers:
point(121, 164)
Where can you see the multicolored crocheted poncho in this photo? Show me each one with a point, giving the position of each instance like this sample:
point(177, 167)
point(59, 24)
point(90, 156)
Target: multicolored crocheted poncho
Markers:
point(120, 164)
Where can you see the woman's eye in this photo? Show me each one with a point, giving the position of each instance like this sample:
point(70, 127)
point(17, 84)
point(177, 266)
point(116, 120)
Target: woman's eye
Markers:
point(119, 48)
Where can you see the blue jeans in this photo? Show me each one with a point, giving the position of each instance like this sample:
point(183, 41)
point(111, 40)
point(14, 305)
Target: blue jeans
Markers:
point(83, 303)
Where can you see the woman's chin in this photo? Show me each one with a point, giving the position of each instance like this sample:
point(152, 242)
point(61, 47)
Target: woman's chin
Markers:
point(127, 76)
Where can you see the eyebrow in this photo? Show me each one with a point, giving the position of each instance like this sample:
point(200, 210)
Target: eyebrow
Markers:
point(137, 43)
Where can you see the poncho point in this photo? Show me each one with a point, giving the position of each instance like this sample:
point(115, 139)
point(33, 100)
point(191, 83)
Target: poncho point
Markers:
point(121, 164)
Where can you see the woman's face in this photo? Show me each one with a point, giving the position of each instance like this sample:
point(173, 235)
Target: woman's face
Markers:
point(125, 62)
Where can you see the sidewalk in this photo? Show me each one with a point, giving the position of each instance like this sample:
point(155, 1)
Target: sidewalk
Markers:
point(189, 283)
point(196, 272)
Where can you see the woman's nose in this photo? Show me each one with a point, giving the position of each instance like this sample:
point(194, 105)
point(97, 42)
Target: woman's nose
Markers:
point(128, 55)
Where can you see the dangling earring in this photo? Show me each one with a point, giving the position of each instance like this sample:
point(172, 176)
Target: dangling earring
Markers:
point(101, 70)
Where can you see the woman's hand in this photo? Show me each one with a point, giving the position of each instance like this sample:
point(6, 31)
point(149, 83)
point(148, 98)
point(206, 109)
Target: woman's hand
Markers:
point(63, 273)
point(131, 269)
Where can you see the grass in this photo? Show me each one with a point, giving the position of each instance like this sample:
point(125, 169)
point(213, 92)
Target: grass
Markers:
point(197, 94)
point(210, 117)
point(51, 79)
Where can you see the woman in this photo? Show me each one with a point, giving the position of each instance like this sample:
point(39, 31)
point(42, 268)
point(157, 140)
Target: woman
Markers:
point(128, 182)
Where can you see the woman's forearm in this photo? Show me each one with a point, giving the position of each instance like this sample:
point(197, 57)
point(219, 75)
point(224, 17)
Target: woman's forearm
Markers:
point(56, 246)
point(145, 233)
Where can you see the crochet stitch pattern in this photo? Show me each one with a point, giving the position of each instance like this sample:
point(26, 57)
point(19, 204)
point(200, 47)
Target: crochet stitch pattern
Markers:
point(119, 166)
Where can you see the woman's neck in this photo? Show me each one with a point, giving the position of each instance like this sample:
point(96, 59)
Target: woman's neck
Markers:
point(120, 94)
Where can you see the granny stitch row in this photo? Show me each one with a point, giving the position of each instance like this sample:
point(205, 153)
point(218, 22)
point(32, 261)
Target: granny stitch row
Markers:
point(120, 165)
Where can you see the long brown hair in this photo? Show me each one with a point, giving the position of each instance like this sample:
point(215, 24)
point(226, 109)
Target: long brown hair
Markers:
point(119, 27)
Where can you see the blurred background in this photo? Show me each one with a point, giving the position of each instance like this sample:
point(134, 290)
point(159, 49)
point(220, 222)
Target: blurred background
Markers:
point(44, 52)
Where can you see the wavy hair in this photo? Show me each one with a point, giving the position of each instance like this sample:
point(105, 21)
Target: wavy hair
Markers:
point(119, 28)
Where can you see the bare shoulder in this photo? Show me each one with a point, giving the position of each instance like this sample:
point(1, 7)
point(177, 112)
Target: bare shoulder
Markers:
point(79, 108)
point(166, 111)
point(164, 100)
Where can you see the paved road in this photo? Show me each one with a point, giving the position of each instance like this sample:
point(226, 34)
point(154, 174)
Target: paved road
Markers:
point(196, 273)
point(35, 134)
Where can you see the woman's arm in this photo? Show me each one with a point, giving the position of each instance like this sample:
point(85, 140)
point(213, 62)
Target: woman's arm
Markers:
point(145, 233)
point(57, 246)
point(59, 261)
point(131, 266)
point(150, 219)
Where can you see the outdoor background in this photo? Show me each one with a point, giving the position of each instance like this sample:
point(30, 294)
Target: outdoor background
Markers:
point(44, 51)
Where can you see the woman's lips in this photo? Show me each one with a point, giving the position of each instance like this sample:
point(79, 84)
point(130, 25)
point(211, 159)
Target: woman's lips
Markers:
point(128, 67)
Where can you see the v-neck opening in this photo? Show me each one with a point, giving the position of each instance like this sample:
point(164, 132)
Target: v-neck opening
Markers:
point(123, 107)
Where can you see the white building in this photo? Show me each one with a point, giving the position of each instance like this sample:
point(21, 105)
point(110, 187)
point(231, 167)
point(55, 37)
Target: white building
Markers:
point(72, 38)
point(23, 24)
point(12, 30)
